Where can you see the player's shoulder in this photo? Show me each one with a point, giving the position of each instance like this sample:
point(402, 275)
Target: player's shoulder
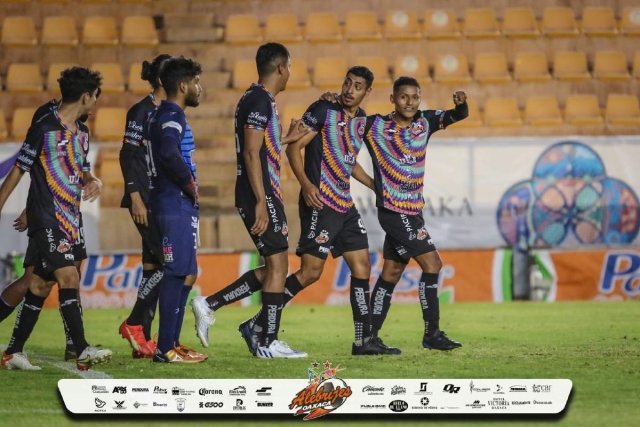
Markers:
point(168, 110)
point(144, 105)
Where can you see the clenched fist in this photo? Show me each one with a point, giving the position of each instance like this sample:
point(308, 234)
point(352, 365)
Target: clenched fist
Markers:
point(459, 97)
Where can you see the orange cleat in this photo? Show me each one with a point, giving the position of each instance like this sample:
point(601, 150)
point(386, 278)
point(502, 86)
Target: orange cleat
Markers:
point(135, 336)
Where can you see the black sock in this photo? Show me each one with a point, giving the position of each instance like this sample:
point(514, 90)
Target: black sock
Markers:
point(292, 287)
point(380, 303)
point(26, 320)
point(247, 284)
point(428, 295)
point(145, 307)
point(70, 307)
point(270, 318)
point(5, 309)
point(64, 325)
point(184, 296)
point(359, 297)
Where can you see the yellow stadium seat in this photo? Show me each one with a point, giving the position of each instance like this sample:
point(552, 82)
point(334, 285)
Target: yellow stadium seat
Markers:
point(502, 112)
point(583, 110)
point(24, 78)
point(401, 25)
point(570, 66)
point(599, 22)
point(452, 69)
point(323, 27)
point(99, 31)
point(623, 110)
point(243, 29)
point(283, 28)
point(480, 23)
point(379, 107)
point(139, 31)
point(611, 66)
point(112, 78)
point(3, 126)
point(415, 66)
point(491, 68)
point(59, 31)
point(441, 24)
point(55, 68)
point(531, 67)
point(19, 31)
point(292, 111)
point(630, 23)
point(473, 121)
point(378, 66)
point(110, 123)
point(542, 111)
point(559, 22)
point(136, 84)
point(299, 78)
point(520, 22)
point(362, 26)
point(328, 73)
point(244, 73)
point(21, 123)
point(636, 65)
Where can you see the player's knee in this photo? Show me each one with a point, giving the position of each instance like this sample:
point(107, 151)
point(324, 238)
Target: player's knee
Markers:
point(310, 276)
point(39, 287)
point(361, 269)
point(68, 279)
point(433, 264)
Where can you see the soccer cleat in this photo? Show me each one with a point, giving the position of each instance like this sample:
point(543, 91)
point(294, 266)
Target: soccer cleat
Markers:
point(250, 336)
point(393, 351)
point(373, 347)
point(187, 352)
point(70, 353)
point(439, 341)
point(279, 350)
point(204, 319)
point(174, 356)
point(135, 335)
point(93, 356)
point(18, 361)
point(151, 345)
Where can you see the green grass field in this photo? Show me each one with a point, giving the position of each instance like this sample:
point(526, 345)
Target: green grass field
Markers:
point(596, 345)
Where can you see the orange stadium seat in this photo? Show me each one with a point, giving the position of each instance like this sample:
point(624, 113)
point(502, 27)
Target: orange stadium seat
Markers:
point(283, 28)
point(299, 78)
point(19, 31)
point(55, 1)
point(59, 31)
point(491, 68)
point(559, 22)
point(136, 84)
point(630, 22)
point(323, 27)
point(473, 121)
point(112, 78)
point(292, 111)
point(243, 29)
point(542, 111)
point(21, 123)
point(452, 69)
point(415, 66)
point(480, 23)
point(362, 26)
point(531, 67)
point(583, 110)
point(3, 126)
point(441, 24)
point(520, 22)
point(244, 73)
point(100, 31)
point(139, 31)
point(328, 73)
point(401, 25)
point(623, 110)
point(55, 68)
point(23, 78)
point(599, 22)
point(636, 65)
point(378, 66)
point(379, 107)
point(110, 123)
point(611, 66)
point(570, 66)
point(502, 112)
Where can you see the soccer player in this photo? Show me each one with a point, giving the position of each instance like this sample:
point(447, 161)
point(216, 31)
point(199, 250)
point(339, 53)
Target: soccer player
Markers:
point(54, 153)
point(133, 161)
point(173, 202)
point(259, 200)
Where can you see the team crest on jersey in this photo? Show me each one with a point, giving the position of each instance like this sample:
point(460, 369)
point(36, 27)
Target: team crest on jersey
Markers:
point(422, 234)
point(323, 237)
point(285, 229)
point(64, 246)
point(417, 127)
point(360, 126)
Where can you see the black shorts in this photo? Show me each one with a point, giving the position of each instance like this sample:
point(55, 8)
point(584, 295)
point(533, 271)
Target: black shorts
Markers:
point(406, 236)
point(31, 256)
point(326, 230)
point(151, 241)
point(53, 252)
point(276, 238)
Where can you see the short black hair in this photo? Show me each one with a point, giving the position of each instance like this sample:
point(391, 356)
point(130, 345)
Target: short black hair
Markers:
point(269, 56)
point(151, 70)
point(362, 72)
point(405, 81)
point(176, 70)
point(76, 81)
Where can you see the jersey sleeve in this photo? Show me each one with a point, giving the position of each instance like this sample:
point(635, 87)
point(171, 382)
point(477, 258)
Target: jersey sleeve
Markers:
point(316, 115)
point(440, 119)
point(31, 148)
point(133, 131)
point(131, 143)
point(257, 113)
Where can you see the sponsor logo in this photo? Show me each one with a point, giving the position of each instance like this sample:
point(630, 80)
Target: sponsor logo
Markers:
point(424, 404)
point(264, 404)
point(350, 159)
point(450, 388)
point(398, 390)
point(518, 389)
point(167, 250)
point(541, 388)
point(100, 403)
point(264, 391)
point(361, 301)
point(239, 406)
point(410, 186)
point(373, 390)
point(423, 389)
point(119, 390)
point(256, 116)
point(156, 404)
point(69, 257)
point(244, 288)
point(398, 406)
point(475, 405)
point(323, 237)
point(373, 406)
point(521, 402)
point(546, 402)
point(138, 405)
point(119, 405)
point(210, 404)
point(177, 391)
point(499, 389)
point(408, 159)
point(74, 179)
point(324, 394)
point(272, 211)
point(205, 391)
point(140, 390)
point(99, 389)
point(324, 249)
point(180, 404)
point(498, 403)
point(309, 118)
point(158, 390)
point(473, 388)
point(238, 391)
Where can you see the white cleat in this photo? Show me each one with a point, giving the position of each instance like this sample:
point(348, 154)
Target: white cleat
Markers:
point(93, 356)
point(18, 361)
point(279, 350)
point(204, 318)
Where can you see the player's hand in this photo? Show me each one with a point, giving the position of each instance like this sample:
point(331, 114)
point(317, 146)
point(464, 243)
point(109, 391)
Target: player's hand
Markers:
point(20, 223)
point(92, 190)
point(331, 97)
point(297, 129)
point(311, 196)
point(459, 97)
point(262, 219)
point(139, 211)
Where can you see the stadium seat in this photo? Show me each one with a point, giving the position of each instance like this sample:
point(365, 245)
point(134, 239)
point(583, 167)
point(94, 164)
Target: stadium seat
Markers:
point(323, 27)
point(21, 122)
point(583, 110)
point(299, 78)
point(441, 25)
point(292, 111)
point(328, 73)
point(55, 68)
point(452, 69)
point(243, 29)
point(378, 66)
point(480, 24)
point(24, 78)
point(99, 31)
point(599, 22)
point(378, 107)
point(531, 67)
point(3, 126)
point(520, 22)
point(623, 110)
point(636, 65)
point(110, 123)
point(112, 78)
point(610, 66)
point(362, 26)
point(59, 31)
point(136, 84)
point(139, 31)
point(401, 25)
point(491, 68)
point(570, 66)
point(244, 73)
point(502, 112)
point(542, 111)
point(283, 28)
point(415, 66)
point(473, 121)
point(19, 31)
point(559, 22)
point(630, 22)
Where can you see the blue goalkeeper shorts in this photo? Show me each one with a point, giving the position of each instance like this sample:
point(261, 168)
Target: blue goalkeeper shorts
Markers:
point(179, 235)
